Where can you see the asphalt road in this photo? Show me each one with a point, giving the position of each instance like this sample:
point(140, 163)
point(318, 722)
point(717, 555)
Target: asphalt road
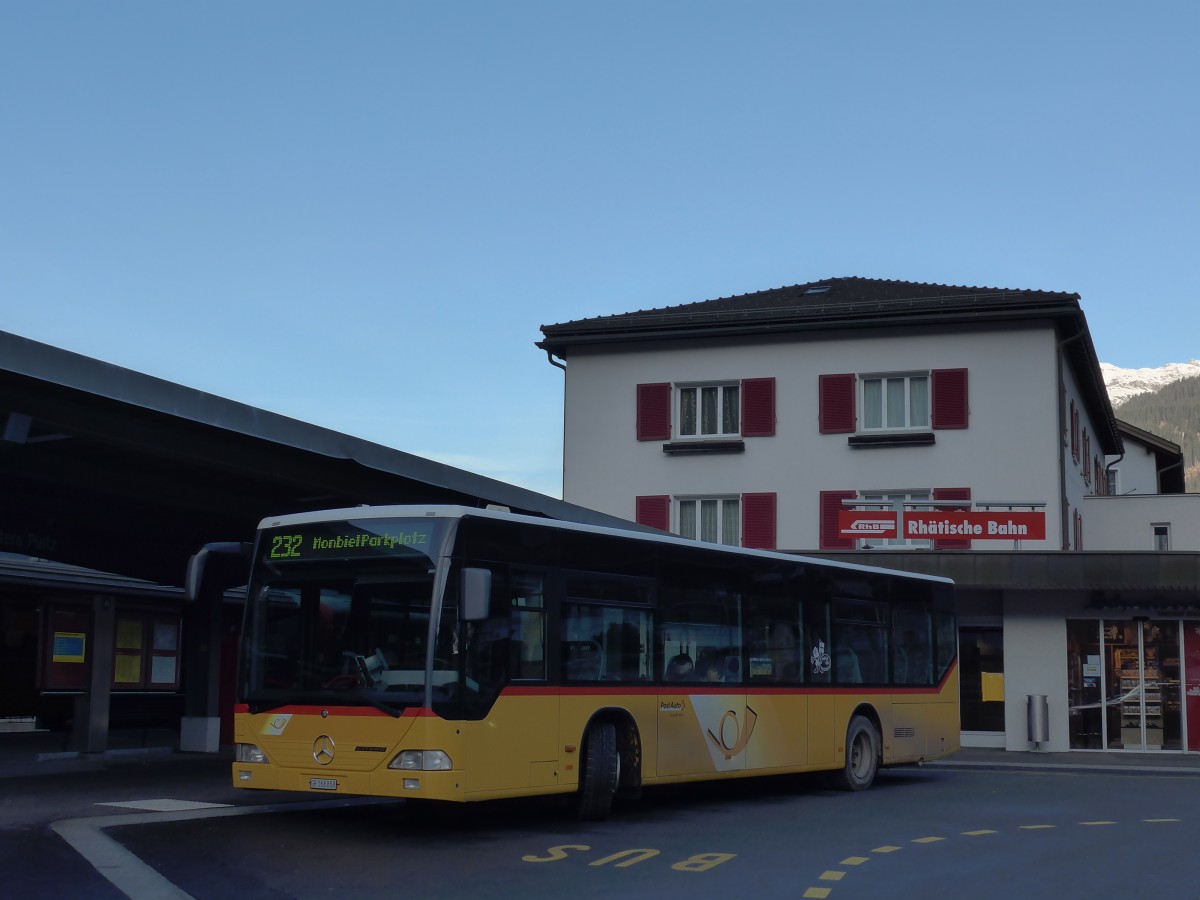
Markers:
point(931, 832)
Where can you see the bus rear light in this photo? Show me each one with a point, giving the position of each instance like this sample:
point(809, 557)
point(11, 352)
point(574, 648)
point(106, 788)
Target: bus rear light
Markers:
point(422, 761)
point(248, 753)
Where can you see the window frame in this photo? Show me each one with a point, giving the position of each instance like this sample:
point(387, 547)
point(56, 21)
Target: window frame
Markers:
point(1160, 536)
point(882, 378)
point(896, 500)
point(696, 389)
point(722, 516)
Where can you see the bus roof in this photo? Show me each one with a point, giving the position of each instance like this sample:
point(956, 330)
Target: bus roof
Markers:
point(634, 531)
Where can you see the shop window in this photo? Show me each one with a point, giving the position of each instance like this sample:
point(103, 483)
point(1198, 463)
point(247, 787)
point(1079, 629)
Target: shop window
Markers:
point(146, 652)
point(68, 636)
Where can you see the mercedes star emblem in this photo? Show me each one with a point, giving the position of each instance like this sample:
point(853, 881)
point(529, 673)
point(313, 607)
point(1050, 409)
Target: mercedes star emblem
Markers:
point(323, 750)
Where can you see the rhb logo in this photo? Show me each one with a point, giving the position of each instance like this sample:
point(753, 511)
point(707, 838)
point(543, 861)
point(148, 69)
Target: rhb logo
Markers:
point(871, 527)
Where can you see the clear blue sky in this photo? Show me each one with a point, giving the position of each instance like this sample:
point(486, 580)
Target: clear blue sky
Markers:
point(359, 213)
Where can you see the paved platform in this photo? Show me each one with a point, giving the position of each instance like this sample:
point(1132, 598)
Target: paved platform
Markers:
point(32, 753)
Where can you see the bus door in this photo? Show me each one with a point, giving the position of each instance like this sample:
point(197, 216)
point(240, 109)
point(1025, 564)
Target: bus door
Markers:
point(704, 721)
point(513, 744)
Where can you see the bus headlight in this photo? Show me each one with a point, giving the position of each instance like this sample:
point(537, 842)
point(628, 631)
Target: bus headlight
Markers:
point(248, 753)
point(422, 761)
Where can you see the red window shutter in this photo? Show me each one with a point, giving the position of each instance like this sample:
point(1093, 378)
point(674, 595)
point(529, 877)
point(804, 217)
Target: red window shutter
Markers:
point(654, 412)
point(758, 407)
point(831, 506)
point(950, 409)
point(654, 512)
point(836, 414)
point(951, 494)
point(1074, 432)
point(758, 521)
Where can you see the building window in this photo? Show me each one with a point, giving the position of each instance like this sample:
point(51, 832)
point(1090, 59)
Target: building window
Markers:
point(717, 520)
point(710, 411)
point(746, 520)
point(877, 403)
point(1162, 537)
point(706, 412)
point(895, 402)
point(899, 501)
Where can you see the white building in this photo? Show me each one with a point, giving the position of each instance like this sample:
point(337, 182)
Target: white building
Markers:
point(820, 417)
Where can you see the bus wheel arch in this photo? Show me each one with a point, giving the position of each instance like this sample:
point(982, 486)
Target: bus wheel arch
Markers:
point(610, 763)
point(863, 751)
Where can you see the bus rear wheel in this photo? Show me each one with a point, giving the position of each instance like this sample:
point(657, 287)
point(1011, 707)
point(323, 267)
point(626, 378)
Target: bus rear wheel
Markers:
point(601, 772)
point(862, 756)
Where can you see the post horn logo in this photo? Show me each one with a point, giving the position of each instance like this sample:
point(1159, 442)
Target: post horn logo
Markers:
point(322, 751)
point(741, 735)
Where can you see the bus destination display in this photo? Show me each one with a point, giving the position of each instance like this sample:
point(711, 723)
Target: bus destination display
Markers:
point(348, 540)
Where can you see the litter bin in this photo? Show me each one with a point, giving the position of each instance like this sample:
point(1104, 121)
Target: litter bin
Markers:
point(1038, 709)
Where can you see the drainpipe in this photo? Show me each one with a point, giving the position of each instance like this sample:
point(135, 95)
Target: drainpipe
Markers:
point(1108, 469)
point(562, 488)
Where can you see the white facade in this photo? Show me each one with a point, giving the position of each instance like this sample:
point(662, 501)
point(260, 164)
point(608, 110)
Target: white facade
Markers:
point(1015, 448)
point(1154, 523)
point(1039, 432)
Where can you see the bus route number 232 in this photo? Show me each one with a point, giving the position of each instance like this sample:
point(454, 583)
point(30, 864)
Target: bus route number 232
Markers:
point(286, 546)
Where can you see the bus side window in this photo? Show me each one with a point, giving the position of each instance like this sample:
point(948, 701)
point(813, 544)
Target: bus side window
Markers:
point(527, 603)
point(912, 640)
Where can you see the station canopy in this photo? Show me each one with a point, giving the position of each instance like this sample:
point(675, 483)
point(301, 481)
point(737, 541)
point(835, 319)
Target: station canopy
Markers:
point(117, 471)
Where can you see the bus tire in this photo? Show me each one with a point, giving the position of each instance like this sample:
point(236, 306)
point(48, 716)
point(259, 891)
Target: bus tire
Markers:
point(862, 756)
point(601, 772)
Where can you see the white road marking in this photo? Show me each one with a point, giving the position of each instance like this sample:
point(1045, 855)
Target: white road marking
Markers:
point(165, 805)
point(135, 878)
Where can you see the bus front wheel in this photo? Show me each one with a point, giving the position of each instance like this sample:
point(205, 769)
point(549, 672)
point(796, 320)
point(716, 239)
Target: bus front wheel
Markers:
point(862, 756)
point(601, 772)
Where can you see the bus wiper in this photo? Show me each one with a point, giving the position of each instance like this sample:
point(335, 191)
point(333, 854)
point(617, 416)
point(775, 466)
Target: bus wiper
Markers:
point(261, 707)
point(379, 704)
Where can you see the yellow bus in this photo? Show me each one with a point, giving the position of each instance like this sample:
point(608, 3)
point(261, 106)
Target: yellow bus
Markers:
point(459, 654)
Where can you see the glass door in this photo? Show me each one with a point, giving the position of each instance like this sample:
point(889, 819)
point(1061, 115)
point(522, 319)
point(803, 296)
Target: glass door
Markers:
point(1085, 685)
point(1144, 710)
point(981, 677)
point(1124, 685)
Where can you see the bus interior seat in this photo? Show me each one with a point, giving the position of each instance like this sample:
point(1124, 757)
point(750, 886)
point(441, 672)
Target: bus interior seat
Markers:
point(679, 668)
point(848, 671)
point(582, 661)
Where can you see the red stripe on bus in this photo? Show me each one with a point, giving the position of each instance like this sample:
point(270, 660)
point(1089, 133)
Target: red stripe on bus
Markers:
point(411, 712)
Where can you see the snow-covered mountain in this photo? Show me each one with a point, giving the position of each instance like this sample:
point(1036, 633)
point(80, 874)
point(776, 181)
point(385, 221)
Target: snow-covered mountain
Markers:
point(1125, 383)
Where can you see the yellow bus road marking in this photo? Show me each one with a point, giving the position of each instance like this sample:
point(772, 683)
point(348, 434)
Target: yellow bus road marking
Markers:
point(635, 856)
point(820, 893)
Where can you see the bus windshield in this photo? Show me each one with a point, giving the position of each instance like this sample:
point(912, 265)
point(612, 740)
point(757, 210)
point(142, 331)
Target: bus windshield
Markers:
point(319, 632)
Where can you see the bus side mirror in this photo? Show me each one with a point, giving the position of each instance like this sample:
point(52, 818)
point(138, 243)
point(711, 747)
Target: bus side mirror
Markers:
point(217, 568)
point(476, 594)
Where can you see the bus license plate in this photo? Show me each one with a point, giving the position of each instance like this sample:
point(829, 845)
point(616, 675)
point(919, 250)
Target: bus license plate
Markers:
point(322, 784)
